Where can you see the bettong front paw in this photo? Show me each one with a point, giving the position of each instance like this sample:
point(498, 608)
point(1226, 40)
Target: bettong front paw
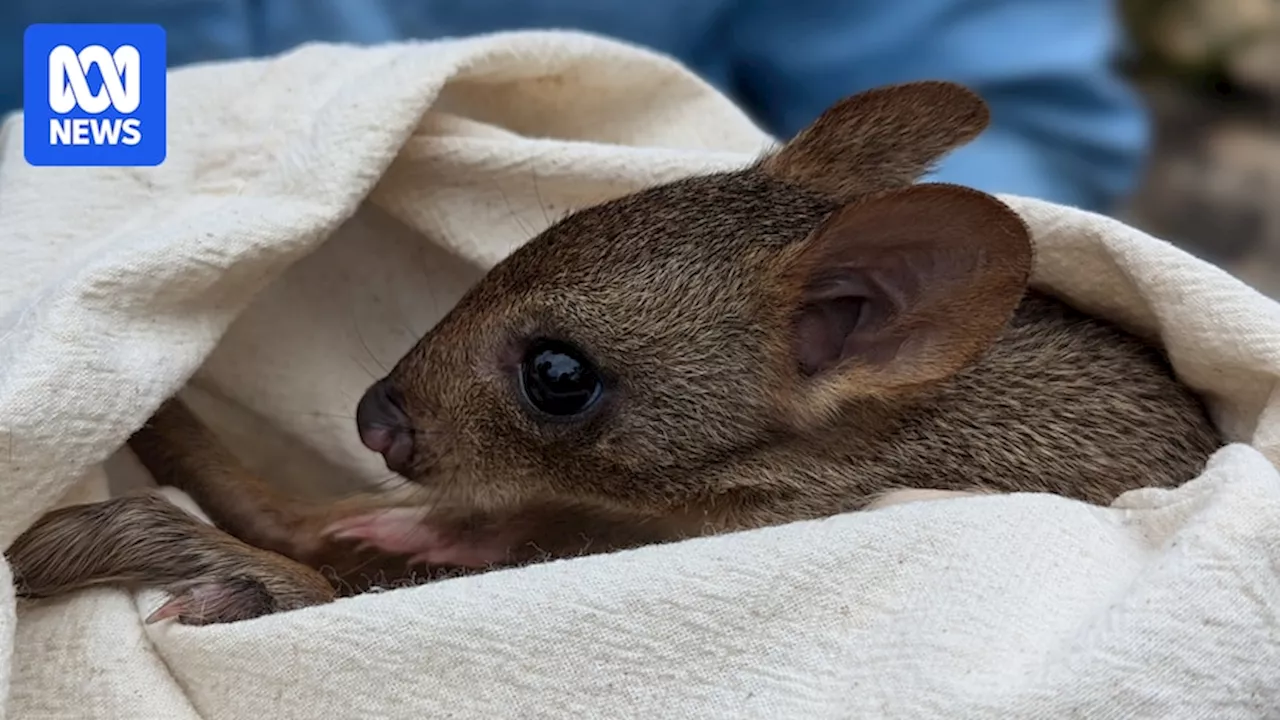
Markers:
point(208, 601)
point(424, 541)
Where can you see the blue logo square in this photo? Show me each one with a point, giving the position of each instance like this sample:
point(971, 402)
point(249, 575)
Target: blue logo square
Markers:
point(93, 95)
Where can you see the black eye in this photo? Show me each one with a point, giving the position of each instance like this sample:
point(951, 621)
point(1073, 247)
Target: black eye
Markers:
point(558, 379)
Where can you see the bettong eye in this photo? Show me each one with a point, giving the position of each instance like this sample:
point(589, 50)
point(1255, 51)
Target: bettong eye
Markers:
point(557, 379)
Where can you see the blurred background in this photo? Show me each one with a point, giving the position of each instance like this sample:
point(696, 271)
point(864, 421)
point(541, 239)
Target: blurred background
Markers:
point(1165, 113)
point(1209, 71)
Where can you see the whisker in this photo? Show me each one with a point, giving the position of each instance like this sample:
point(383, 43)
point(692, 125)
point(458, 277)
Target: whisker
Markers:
point(355, 324)
point(387, 482)
point(363, 368)
point(542, 205)
point(514, 216)
point(315, 414)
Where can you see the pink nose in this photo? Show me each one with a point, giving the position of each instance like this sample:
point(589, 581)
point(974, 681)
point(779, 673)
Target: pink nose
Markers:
point(384, 426)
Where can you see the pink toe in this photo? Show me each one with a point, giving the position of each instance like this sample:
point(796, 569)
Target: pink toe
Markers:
point(170, 609)
point(399, 531)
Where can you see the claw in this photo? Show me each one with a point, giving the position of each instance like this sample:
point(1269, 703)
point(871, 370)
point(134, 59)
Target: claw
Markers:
point(172, 608)
point(204, 603)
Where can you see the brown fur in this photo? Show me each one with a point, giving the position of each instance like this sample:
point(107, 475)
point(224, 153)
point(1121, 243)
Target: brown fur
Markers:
point(789, 341)
point(146, 540)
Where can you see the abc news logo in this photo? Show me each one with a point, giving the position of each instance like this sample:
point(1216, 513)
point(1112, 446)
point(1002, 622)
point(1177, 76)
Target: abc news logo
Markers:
point(69, 89)
point(94, 95)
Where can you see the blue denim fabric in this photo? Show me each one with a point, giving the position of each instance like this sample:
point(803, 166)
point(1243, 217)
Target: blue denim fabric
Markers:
point(1065, 127)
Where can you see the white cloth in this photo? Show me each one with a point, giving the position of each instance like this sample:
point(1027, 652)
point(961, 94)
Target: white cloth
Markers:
point(319, 210)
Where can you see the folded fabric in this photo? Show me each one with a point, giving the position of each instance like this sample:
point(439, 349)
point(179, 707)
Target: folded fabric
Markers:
point(320, 210)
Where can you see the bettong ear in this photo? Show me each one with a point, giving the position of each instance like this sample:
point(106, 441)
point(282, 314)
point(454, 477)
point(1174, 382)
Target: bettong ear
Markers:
point(904, 288)
point(880, 139)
